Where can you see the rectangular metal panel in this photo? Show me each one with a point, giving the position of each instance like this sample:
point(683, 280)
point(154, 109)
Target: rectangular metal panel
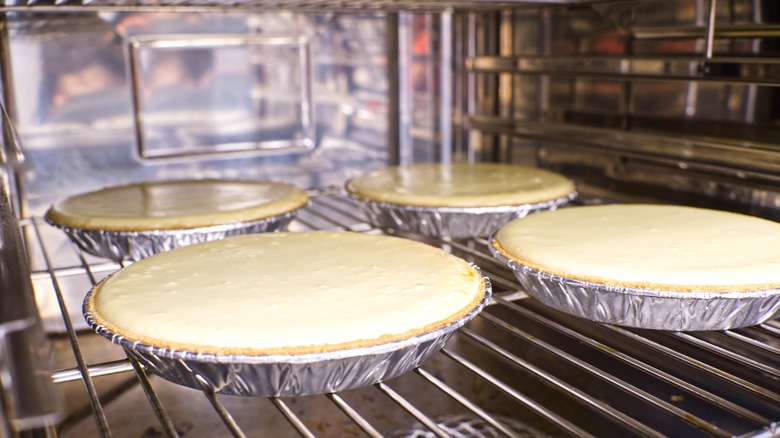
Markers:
point(221, 94)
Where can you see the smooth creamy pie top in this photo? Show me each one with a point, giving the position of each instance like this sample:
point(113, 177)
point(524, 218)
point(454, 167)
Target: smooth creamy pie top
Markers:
point(282, 293)
point(460, 185)
point(177, 204)
point(649, 246)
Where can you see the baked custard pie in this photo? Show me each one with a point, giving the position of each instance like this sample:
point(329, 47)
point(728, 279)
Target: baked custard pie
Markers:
point(461, 185)
point(178, 204)
point(287, 293)
point(656, 247)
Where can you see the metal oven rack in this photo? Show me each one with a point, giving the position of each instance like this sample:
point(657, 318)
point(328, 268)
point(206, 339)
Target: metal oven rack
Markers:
point(518, 369)
point(254, 5)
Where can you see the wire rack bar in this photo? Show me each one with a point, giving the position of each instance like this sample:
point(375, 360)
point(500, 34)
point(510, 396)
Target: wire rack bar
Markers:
point(717, 157)
point(305, 223)
point(97, 370)
point(94, 400)
point(552, 417)
point(484, 257)
point(331, 210)
point(330, 205)
point(107, 397)
point(410, 408)
point(465, 402)
point(32, 6)
point(649, 369)
point(328, 219)
point(771, 327)
point(498, 274)
point(76, 271)
point(165, 420)
point(753, 71)
point(701, 343)
point(753, 343)
point(361, 422)
point(623, 385)
point(230, 423)
point(497, 280)
point(699, 365)
point(292, 418)
point(344, 204)
point(604, 409)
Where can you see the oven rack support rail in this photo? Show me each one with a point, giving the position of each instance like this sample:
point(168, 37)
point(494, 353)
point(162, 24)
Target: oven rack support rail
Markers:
point(256, 5)
point(637, 383)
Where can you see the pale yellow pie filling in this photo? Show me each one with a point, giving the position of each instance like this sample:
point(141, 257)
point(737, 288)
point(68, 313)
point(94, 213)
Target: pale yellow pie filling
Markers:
point(280, 293)
point(460, 185)
point(177, 204)
point(649, 246)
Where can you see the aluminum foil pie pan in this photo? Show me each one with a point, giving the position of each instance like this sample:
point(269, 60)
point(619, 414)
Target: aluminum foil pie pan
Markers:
point(646, 308)
point(135, 245)
point(288, 375)
point(457, 223)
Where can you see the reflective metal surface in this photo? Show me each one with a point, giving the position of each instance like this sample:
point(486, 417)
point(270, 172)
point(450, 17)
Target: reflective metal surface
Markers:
point(518, 365)
point(654, 100)
point(197, 94)
point(317, 5)
point(292, 374)
point(113, 98)
point(623, 94)
point(136, 245)
point(450, 222)
point(757, 72)
point(645, 308)
point(28, 400)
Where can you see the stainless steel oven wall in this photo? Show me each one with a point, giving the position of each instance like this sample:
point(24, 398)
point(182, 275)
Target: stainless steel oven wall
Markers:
point(108, 98)
point(668, 100)
point(650, 100)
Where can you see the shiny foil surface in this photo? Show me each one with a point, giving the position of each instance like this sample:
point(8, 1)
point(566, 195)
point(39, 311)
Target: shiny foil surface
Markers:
point(450, 222)
point(136, 245)
point(470, 426)
point(288, 375)
point(644, 308)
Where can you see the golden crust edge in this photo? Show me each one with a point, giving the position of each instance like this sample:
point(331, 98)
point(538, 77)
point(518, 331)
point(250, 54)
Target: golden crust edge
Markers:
point(301, 350)
point(652, 287)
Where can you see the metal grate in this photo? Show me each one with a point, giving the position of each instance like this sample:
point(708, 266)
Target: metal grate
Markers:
point(518, 369)
point(255, 5)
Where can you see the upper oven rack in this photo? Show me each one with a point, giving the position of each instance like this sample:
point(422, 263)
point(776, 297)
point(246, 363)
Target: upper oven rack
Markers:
point(313, 5)
point(556, 370)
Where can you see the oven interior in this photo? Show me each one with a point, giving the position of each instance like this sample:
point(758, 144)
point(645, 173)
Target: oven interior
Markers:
point(637, 101)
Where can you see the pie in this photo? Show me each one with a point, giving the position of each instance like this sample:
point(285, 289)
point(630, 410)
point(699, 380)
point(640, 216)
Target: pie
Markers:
point(287, 293)
point(181, 204)
point(656, 247)
point(460, 185)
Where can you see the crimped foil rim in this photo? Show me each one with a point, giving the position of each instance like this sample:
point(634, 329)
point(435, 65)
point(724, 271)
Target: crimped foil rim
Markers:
point(137, 244)
point(184, 230)
point(615, 289)
point(532, 206)
point(270, 359)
